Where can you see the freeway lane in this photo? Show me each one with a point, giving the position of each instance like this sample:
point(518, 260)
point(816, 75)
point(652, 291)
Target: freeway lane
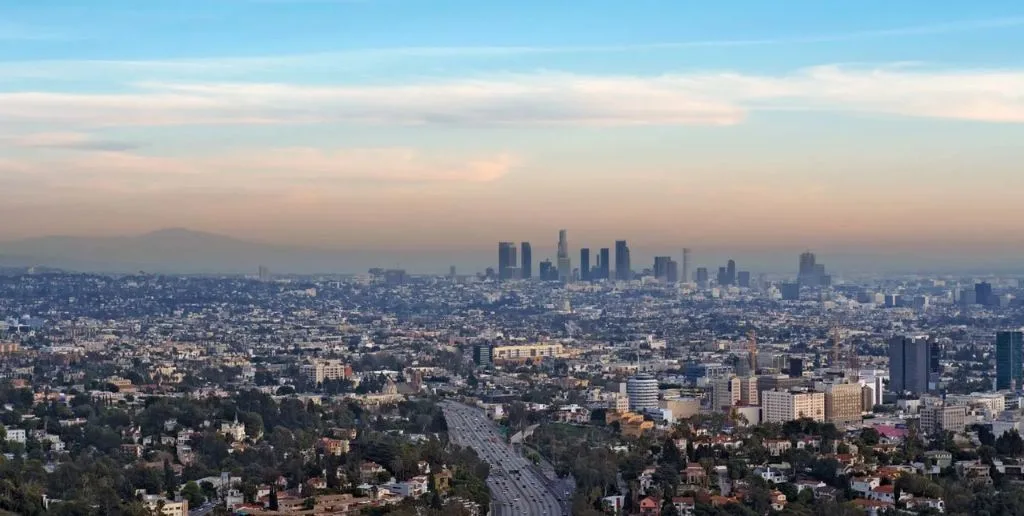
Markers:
point(517, 489)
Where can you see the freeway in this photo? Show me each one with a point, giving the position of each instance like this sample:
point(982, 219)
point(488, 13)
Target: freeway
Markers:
point(202, 510)
point(517, 487)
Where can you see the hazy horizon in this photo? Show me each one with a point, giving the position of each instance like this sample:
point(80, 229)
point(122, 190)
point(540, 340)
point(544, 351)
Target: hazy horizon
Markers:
point(181, 250)
point(866, 130)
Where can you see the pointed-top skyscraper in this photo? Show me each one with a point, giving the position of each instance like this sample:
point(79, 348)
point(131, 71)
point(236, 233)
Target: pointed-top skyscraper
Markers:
point(564, 263)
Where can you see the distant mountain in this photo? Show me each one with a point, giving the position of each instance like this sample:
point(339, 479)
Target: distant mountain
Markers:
point(175, 250)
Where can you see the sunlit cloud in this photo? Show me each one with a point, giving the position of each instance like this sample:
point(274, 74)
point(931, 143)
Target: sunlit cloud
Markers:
point(552, 99)
point(265, 170)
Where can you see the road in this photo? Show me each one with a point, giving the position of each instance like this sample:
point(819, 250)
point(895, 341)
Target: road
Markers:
point(202, 510)
point(517, 487)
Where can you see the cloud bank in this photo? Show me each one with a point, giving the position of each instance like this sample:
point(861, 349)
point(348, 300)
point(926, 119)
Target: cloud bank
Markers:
point(544, 98)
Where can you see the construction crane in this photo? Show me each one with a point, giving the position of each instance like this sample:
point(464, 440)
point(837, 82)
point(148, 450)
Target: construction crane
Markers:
point(752, 350)
point(837, 346)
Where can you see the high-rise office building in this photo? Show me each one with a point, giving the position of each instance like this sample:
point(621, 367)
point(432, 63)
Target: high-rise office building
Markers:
point(943, 418)
point(723, 276)
point(725, 392)
point(605, 264)
point(913, 364)
point(672, 276)
point(812, 273)
point(1009, 360)
point(790, 291)
point(807, 262)
point(743, 279)
point(730, 272)
point(983, 293)
point(686, 265)
point(702, 277)
point(779, 406)
point(264, 273)
point(482, 354)
point(564, 263)
point(585, 264)
point(451, 272)
point(642, 391)
point(843, 402)
point(506, 259)
point(526, 270)
point(547, 271)
point(623, 270)
point(796, 367)
point(661, 267)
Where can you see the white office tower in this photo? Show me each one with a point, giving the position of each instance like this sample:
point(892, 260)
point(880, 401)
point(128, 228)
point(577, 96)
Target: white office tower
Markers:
point(564, 264)
point(642, 391)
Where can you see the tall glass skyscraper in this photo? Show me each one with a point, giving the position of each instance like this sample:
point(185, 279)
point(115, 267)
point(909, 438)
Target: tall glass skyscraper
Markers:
point(527, 267)
point(585, 264)
point(913, 364)
point(623, 271)
point(1009, 360)
point(605, 263)
point(506, 260)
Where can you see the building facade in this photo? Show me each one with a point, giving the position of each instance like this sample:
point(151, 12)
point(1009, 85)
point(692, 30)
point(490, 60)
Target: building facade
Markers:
point(844, 403)
point(321, 370)
point(1009, 360)
point(524, 352)
point(526, 269)
point(623, 270)
point(642, 391)
point(913, 364)
point(781, 406)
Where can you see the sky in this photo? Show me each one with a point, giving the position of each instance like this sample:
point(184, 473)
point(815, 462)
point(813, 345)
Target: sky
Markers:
point(843, 126)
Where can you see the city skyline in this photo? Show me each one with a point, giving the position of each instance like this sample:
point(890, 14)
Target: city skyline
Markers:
point(182, 250)
point(820, 127)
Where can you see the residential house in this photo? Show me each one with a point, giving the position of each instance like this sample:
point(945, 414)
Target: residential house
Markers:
point(613, 504)
point(864, 485)
point(649, 507)
point(694, 475)
point(684, 505)
point(334, 447)
point(777, 447)
point(921, 503)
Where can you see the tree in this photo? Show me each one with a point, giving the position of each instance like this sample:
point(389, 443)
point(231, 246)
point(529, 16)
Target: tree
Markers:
point(170, 479)
point(272, 503)
point(670, 454)
point(193, 493)
point(869, 437)
point(1010, 443)
point(667, 508)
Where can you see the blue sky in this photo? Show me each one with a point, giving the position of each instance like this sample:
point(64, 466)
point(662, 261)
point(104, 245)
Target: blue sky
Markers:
point(798, 123)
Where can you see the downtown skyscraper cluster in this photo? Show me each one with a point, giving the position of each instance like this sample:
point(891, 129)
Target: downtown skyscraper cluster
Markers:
point(510, 267)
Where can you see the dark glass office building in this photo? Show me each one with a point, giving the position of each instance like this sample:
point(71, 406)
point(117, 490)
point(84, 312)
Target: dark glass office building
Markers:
point(623, 271)
point(1009, 360)
point(913, 364)
point(526, 270)
point(605, 263)
point(585, 264)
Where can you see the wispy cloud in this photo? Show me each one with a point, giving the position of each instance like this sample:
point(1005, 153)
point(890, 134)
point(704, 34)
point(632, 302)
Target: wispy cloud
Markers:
point(541, 99)
point(264, 170)
point(66, 141)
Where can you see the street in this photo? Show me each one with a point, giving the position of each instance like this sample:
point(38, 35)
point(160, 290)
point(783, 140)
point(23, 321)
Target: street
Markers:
point(202, 510)
point(517, 487)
